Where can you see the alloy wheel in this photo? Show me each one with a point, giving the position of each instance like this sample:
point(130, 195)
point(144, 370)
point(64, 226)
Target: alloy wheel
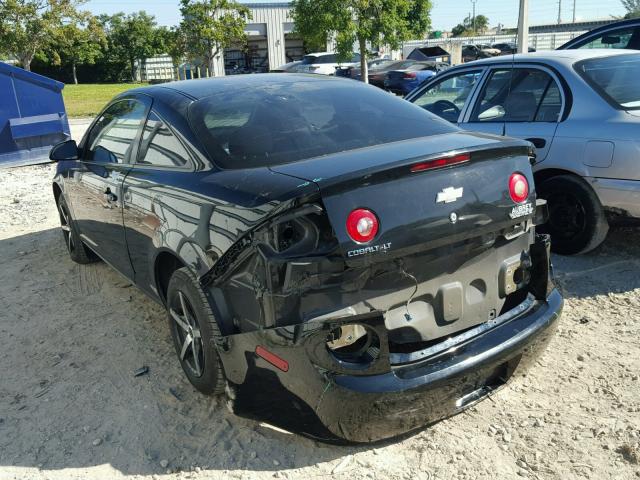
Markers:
point(65, 224)
point(188, 335)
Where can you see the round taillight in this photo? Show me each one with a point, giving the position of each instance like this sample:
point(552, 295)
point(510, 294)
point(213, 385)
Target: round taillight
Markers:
point(518, 187)
point(362, 225)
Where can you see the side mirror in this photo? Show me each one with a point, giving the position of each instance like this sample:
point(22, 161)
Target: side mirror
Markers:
point(67, 150)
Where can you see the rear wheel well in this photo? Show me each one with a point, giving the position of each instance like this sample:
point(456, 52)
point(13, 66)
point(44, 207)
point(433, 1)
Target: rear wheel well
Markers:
point(166, 264)
point(542, 175)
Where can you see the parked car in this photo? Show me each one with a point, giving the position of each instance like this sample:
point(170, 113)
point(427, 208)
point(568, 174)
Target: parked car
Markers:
point(489, 50)
point(324, 63)
point(473, 52)
point(624, 34)
point(287, 67)
point(355, 73)
point(580, 109)
point(377, 75)
point(403, 81)
point(509, 48)
point(329, 255)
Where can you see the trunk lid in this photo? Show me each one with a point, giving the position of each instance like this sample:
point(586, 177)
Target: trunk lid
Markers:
point(418, 211)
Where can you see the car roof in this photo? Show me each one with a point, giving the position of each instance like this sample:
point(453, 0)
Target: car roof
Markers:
point(205, 87)
point(632, 22)
point(557, 56)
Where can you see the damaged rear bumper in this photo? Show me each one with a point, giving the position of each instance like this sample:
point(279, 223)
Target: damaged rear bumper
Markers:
point(322, 397)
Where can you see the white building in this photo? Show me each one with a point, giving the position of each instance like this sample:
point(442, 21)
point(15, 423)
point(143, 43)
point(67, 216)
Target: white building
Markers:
point(270, 41)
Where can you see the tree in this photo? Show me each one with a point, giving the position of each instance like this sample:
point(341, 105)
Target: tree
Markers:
point(27, 25)
point(632, 7)
point(467, 28)
point(209, 26)
point(79, 42)
point(173, 42)
point(131, 37)
point(361, 22)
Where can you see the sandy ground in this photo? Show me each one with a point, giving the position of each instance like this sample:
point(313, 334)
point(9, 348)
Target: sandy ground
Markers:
point(71, 337)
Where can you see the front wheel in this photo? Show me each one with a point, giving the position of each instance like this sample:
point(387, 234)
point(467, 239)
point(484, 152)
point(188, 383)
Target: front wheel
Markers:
point(577, 223)
point(78, 252)
point(194, 331)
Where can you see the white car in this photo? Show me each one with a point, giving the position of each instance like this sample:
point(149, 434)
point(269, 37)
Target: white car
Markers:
point(325, 63)
point(581, 111)
point(489, 50)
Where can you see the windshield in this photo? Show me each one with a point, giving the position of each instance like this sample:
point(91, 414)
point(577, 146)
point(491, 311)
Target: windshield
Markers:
point(279, 123)
point(615, 79)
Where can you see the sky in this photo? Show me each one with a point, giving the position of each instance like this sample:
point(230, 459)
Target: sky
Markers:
point(444, 15)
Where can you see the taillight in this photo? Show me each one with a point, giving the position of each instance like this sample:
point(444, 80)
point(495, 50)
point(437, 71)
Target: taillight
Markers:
point(518, 187)
point(362, 225)
point(440, 162)
point(409, 75)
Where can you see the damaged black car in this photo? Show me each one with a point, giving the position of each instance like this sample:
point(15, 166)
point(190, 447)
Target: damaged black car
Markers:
point(339, 262)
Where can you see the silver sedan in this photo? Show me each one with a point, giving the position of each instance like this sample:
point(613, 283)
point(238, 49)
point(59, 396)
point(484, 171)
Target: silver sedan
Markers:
point(581, 111)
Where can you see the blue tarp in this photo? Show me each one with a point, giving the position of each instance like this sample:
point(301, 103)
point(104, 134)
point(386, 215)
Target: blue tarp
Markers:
point(32, 116)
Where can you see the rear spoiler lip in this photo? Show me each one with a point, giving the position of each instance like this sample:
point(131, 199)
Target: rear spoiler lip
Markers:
point(389, 171)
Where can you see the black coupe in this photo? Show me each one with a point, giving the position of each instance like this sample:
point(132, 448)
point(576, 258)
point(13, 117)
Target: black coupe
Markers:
point(343, 263)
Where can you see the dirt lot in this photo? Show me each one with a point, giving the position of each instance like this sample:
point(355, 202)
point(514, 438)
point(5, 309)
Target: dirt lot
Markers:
point(70, 407)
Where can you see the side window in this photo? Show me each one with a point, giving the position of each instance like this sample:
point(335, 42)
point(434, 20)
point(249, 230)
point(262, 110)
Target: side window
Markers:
point(159, 146)
point(447, 97)
point(113, 135)
point(612, 39)
point(520, 95)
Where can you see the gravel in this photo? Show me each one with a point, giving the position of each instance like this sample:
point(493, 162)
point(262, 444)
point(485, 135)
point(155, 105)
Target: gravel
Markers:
point(71, 335)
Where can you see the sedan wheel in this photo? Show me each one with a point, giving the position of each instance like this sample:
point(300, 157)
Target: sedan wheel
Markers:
point(188, 335)
point(577, 223)
point(194, 331)
point(78, 252)
point(65, 225)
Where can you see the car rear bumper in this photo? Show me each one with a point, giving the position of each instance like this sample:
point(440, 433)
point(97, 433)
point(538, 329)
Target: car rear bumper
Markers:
point(337, 405)
point(363, 409)
point(619, 196)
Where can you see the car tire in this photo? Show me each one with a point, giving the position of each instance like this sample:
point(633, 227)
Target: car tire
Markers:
point(78, 251)
point(577, 223)
point(195, 331)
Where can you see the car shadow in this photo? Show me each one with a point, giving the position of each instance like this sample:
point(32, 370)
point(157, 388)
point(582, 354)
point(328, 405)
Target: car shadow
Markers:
point(611, 268)
point(71, 339)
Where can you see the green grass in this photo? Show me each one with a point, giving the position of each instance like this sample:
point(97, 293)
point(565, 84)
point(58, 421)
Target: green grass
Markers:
point(87, 100)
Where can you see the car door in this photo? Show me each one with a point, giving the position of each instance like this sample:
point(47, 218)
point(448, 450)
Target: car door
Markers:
point(448, 96)
point(96, 184)
point(525, 102)
point(157, 211)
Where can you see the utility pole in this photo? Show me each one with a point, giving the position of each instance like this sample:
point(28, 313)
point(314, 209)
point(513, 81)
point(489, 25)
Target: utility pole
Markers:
point(473, 2)
point(574, 11)
point(559, 12)
point(523, 27)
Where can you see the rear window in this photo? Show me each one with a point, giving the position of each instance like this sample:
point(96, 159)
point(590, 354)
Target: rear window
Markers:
point(281, 123)
point(615, 79)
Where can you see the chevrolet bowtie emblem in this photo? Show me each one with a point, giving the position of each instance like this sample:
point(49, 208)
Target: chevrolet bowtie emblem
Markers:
point(449, 195)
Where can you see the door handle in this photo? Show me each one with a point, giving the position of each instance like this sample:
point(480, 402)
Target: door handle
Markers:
point(537, 142)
